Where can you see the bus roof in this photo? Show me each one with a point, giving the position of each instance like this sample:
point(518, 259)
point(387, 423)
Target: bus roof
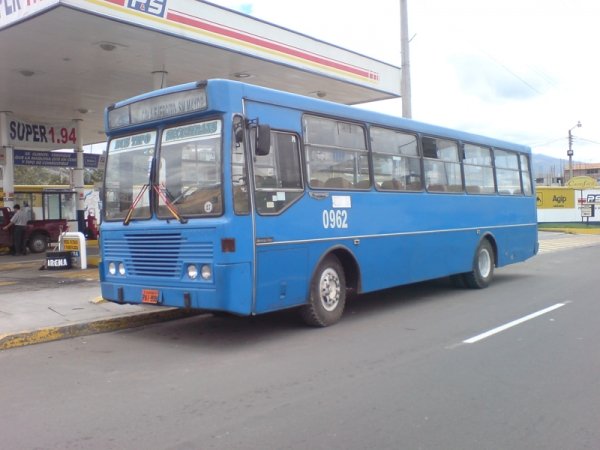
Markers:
point(328, 108)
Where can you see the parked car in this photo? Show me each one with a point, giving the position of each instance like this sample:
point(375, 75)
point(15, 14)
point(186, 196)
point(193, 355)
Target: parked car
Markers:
point(38, 235)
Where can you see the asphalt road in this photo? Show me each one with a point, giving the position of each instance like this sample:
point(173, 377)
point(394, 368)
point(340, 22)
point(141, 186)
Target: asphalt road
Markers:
point(395, 373)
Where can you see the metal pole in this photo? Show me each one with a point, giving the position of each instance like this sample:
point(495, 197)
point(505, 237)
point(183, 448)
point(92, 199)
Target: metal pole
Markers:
point(570, 151)
point(8, 171)
point(78, 178)
point(570, 155)
point(404, 49)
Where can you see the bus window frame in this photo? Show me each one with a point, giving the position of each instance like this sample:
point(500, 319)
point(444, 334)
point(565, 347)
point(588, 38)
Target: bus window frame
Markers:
point(490, 150)
point(358, 152)
point(501, 190)
point(275, 190)
point(418, 157)
point(122, 134)
point(447, 187)
point(156, 175)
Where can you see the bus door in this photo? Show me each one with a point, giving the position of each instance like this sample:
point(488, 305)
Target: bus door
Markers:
point(281, 262)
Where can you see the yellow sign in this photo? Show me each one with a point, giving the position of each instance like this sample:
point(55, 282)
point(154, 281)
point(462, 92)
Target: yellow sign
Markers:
point(555, 198)
point(71, 245)
point(582, 182)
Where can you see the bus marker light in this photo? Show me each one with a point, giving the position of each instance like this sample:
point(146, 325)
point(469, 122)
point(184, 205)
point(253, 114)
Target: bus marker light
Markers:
point(228, 245)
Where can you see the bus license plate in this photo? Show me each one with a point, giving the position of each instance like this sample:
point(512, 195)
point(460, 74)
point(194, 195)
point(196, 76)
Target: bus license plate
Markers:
point(150, 296)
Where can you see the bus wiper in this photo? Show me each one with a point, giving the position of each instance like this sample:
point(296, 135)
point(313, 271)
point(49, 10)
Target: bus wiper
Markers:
point(134, 204)
point(161, 191)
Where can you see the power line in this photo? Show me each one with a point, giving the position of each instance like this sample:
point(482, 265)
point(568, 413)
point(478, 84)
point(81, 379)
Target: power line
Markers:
point(586, 140)
point(505, 67)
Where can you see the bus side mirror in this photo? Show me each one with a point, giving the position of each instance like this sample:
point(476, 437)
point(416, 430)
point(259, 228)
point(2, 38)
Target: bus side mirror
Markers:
point(263, 140)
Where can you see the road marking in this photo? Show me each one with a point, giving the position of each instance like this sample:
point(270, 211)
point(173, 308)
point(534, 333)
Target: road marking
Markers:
point(501, 328)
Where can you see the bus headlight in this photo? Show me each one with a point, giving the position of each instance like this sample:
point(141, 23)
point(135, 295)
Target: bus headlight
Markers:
point(121, 268)
point(192, 271)
point(112, 268)
point(206, 272)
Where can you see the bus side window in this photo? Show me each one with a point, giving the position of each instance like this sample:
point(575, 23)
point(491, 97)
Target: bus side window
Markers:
point(526, 175)
point(396, 162)
point(479, 172)
point(277, 175)
point(442, 166)
point(239, 169)
point(507, 172)
point(336, 154)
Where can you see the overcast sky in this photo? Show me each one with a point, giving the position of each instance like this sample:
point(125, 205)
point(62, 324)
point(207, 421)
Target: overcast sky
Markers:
point(521, 70)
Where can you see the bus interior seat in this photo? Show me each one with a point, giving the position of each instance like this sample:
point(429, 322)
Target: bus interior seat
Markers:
point(455, 188)
point(338, 182)
point(391, 185)
point(414, 186)
point(315, 183)
point(436, 188)
point(363, 184)
point(265, 182)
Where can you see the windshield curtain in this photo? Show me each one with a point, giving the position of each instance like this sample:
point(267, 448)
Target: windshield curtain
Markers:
point(128, 170)
point(189, 172)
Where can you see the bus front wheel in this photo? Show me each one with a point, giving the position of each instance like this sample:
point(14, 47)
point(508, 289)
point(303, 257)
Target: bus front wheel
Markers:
point(483, 267)
point(327, 294)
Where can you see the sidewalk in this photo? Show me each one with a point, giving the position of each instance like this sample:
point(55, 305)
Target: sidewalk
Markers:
point(46, 305)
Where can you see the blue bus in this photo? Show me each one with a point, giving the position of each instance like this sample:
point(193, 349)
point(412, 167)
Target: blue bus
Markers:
point(229, 197)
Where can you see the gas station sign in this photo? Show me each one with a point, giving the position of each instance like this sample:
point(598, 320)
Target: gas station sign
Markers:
point(55, 159)
point(12, 11)
point(41, 135)
point(555, 198)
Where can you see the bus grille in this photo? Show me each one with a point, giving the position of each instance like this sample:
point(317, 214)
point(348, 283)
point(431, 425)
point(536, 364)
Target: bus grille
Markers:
point(160, 255)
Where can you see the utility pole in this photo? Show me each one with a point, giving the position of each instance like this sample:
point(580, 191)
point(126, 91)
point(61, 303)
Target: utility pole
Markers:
point(404, 49)
point(570, 151)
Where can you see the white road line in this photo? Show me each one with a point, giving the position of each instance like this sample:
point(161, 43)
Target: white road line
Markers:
point(499, 329)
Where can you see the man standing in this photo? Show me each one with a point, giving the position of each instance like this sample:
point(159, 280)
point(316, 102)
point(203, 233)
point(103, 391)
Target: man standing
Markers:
point(19, 222)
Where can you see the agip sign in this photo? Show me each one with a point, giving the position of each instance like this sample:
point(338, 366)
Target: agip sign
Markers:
point(555, 198)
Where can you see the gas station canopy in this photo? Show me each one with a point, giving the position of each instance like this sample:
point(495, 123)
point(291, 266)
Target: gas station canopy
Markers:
point(68, 59)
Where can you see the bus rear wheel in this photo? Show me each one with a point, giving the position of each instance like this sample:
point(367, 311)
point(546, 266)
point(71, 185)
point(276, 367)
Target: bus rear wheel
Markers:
point(327, 294)
point(483, 267)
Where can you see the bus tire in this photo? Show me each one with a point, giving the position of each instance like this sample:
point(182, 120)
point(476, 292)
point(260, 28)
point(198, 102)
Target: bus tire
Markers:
point(327, 294)
point(483, 267)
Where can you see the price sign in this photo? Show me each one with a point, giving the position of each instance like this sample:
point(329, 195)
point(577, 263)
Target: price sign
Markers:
point(71, 244)
point(62, 135)
point(38, 135)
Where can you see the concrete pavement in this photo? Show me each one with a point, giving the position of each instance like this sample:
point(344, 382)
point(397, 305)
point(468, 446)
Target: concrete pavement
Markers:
point(46, 305)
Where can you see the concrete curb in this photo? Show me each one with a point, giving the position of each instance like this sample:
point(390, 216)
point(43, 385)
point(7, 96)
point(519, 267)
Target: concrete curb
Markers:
point(571, 230)
point(23, 338)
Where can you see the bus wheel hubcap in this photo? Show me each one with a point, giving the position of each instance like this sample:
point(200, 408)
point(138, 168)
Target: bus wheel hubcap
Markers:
point(485, 263)
point(330, 289)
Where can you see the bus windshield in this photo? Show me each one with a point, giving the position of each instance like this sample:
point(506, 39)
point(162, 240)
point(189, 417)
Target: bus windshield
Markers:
point(185, 179)
point(128, 169)
point(190, 170)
